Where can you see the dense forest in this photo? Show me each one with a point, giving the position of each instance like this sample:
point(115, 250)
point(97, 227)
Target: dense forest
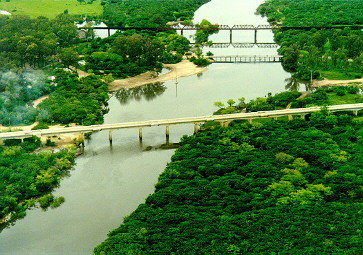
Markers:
point(293, 99)
point(27, 178)
point(26, 42)
point(148, 13)
point(289, 187)
point(81, 101)
point(329, 53)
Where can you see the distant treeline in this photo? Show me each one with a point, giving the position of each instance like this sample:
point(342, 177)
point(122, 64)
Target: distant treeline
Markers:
point(331, 53)
point(148, 13)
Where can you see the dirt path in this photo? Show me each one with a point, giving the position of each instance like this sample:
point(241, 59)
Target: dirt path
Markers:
point(327, 82)
point(181, 69)
point(39, 100)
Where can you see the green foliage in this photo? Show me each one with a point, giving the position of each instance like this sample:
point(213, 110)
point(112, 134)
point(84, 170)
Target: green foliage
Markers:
point(200, 61)
point(27, 177)
point(82, 101)
point(282, 187)
point(52, 8)
point(148, 13)
point(35, 40)
point(334, 53)
point(40, 125)
point(68, 57)
point(330, 96)
point(206, 29)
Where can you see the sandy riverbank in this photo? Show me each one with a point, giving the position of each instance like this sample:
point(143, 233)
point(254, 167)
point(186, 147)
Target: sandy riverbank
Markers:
point(326, 82)
point(181, 69)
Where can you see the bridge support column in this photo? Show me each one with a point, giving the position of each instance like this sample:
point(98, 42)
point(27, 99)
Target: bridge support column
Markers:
point(289, 117)
point(355, 113)
point(255, 35)
point(181, 31)
point(196, 128)
point(303, 116)
point(110, 136)
point(249, 121)
point(81, 146)
point(230, 35)
point(109, 32)
point(140, 134)
point(167, 132)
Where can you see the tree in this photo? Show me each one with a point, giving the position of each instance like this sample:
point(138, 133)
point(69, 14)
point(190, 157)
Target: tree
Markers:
point(68, 57)
point(231, 102)
point(219, 104)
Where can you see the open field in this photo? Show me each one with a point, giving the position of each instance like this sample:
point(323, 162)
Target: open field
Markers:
point(338, 75)
point(50, 8)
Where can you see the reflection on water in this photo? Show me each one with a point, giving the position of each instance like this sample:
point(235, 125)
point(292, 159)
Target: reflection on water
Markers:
point(292, 84)
point(148, 92)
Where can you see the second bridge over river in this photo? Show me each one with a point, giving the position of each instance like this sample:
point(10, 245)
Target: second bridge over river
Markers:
point(246, 59)
point(197, 121)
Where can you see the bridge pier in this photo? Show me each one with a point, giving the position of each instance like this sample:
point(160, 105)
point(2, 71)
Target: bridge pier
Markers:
point(355, 113)
point(110, 136)
point(196, 128)
point(167, 132)
point(255, 35)
point(230, 36)
point(249, 121)
point(140, 134)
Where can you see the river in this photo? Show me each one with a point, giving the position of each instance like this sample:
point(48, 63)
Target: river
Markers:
point(108, 183)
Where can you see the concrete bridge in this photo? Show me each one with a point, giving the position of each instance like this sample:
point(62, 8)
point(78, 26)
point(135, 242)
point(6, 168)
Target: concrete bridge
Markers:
point(246, 59)
point(197, 121)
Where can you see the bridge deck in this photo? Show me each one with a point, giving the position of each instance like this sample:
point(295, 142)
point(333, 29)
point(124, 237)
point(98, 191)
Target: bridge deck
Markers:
point(246, 59)
point(168, 122)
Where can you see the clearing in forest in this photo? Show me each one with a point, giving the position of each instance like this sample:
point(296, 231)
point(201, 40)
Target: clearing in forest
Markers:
point(51, 8)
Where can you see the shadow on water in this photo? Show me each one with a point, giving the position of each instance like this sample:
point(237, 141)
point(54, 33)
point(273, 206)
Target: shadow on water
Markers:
point(148, 92)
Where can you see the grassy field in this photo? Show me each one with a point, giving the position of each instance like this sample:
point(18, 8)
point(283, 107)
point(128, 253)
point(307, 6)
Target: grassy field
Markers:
point(336, 75)
point(346, 99)
point(50, 8)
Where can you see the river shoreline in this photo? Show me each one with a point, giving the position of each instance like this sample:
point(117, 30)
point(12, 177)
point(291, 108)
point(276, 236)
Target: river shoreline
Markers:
point(182, 69)
point(327, 82)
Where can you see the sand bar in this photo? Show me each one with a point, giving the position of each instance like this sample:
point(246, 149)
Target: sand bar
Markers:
point(181, 69)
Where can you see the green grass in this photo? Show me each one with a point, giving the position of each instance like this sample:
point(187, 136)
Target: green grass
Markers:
point(346, 99)
point(338, 75)
point(50, 8)
point(359, 119)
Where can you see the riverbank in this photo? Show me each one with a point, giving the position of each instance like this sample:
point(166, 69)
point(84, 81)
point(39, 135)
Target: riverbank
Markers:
point(181, 69)
point(327, 82)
